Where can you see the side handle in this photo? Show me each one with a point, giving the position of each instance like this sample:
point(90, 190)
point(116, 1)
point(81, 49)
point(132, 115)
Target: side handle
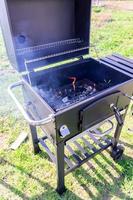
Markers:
point(22, 110)
point(118, 115)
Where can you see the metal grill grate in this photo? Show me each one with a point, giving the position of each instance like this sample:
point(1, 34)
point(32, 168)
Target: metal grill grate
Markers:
point(89, 146)
point(22, 51)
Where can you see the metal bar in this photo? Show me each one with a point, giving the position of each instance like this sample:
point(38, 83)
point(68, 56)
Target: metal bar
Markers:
point(51, 155)
point(118, 130)
point(77, 137)
point(49, 45)
point(55, 55)
point(98, 133)
point(76, 157)
point(121, 61)
point(123, 58)
point(123, 67)
point(60, 168)
point(95, 140)
point(24, 113)
point(105, 139)
point(88, 144)
point(34, 138)
point(81, 149)
point(68, 162)
point(86, 159)
point(116, 68)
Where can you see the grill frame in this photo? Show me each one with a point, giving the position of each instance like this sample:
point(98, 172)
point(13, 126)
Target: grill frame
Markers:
point(51, 129)
point(65, 125)
point(63, 117)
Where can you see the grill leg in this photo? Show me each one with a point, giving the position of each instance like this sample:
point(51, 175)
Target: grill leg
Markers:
point(34, 138)
point(60, 168)
point(118, 132)
point(117, 135)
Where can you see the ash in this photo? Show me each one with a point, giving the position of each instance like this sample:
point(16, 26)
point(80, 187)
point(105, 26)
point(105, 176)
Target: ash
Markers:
point(63, 97)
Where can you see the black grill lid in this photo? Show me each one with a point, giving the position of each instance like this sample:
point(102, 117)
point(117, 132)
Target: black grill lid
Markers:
point(41, 32)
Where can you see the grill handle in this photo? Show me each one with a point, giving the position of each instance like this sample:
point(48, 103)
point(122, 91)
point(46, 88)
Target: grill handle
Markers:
point(22, 110)
point(118, 115)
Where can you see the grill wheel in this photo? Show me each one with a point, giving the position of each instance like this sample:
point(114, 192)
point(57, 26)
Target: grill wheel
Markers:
point(117, 152)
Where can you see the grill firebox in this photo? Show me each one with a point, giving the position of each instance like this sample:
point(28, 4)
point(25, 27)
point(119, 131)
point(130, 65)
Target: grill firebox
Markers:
point(71, 100)
point(63, 97)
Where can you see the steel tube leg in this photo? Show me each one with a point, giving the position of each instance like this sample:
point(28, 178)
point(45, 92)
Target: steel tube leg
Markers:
point(118, 132)
point(60, 168)
point(117, 135)
point(34, 138)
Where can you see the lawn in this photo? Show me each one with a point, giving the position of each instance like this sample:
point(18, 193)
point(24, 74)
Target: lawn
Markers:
point(31, 177)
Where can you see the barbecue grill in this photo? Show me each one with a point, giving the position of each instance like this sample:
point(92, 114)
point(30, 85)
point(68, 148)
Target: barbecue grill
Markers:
point(69, 100)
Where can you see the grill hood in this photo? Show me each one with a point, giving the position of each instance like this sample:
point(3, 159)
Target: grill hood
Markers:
point(41, 32)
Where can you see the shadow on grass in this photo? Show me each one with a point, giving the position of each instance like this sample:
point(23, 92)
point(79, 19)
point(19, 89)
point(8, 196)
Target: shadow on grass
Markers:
point(105, 190)
point(126, 144)
point(97, 187)
point(49, 194)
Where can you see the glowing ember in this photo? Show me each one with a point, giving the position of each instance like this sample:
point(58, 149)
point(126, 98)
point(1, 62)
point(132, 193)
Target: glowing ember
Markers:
point(74, 82)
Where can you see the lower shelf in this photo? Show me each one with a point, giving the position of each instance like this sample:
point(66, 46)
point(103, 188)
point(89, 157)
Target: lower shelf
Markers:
point(78, 152)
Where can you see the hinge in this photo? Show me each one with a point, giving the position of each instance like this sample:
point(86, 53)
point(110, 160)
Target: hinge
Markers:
point(81, 57)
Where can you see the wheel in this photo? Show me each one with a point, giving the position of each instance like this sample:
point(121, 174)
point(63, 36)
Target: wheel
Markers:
point(117, 152)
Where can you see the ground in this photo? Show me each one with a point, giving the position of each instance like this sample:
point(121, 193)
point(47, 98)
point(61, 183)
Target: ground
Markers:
point(29, 177)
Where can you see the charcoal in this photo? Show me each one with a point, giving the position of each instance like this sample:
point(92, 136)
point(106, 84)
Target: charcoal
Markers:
point(65, 100)
point(62, 97)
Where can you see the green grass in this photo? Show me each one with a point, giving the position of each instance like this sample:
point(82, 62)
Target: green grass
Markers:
point(112, 31)
point(27, 176)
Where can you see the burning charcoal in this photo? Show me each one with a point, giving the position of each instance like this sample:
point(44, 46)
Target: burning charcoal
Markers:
point(65, 92)
point(60, 98)
point(94, 90)
point(70, 90)
point(65, 99)
point(68, 103)
point(89, 88)
point(60, 93)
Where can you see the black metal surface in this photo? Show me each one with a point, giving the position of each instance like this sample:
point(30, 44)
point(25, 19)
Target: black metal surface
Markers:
point(57, 26)
point(64, 86)
point(117, 133)
point(94, 111)
point(117, 61)
point(99, 109)
point(60, 168)
point(34, 137)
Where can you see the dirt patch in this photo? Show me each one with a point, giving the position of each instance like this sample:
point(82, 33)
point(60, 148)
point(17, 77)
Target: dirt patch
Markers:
point(6, 71)
point(122, 5)
point(101, 20)
point(3, 141)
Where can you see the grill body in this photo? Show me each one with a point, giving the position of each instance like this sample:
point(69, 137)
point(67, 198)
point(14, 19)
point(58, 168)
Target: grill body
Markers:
point(86, 113)
point(82, 119)
point(69, 102)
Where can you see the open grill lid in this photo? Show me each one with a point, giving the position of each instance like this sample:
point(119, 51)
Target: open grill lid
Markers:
point(41, 32)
